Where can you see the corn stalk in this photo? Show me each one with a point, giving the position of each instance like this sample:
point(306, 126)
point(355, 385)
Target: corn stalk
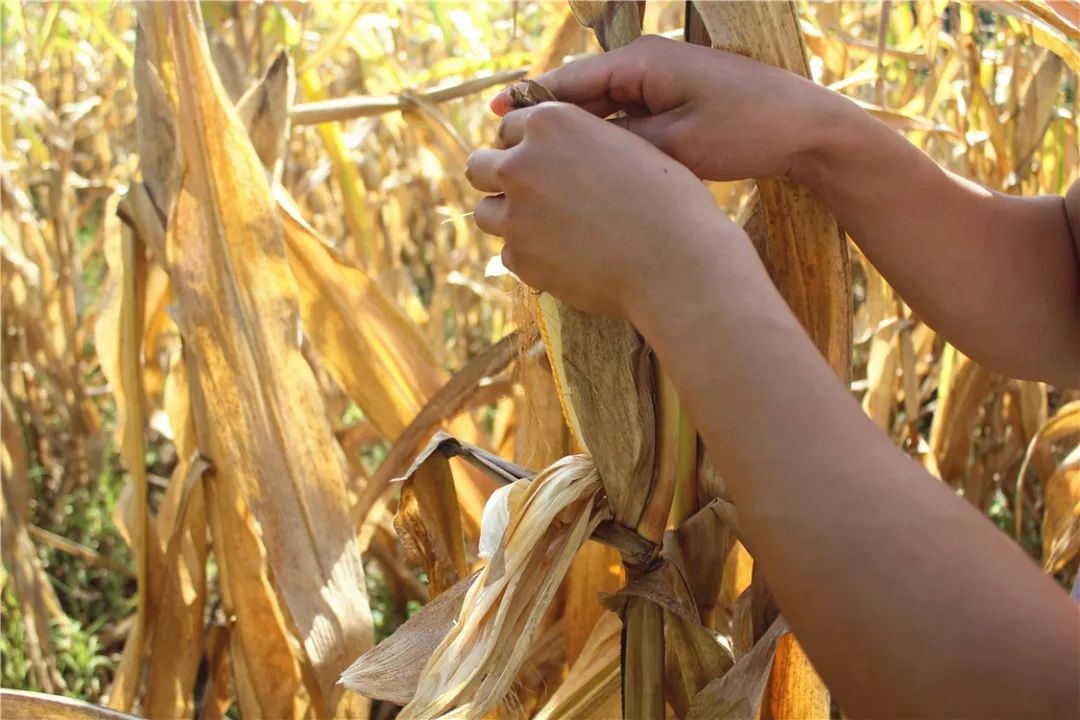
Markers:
point(623, 409)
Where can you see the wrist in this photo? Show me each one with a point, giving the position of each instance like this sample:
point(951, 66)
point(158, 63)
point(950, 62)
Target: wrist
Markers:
point(691, 274)
point(833, 126)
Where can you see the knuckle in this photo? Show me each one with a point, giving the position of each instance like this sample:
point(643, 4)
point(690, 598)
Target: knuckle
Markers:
point(510, 169)
point(650, 44)
point(544, 117)
point(646, 41)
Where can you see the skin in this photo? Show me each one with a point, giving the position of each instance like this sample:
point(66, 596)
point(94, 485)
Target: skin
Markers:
point(907, 600)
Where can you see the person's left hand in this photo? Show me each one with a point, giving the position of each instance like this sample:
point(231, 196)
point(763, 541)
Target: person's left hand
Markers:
point(591, 212)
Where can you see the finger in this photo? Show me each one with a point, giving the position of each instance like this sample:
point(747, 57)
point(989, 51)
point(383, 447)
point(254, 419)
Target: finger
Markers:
point(502, 105)
point(509, 259)
point(588, 82)
point(490, 215)
point(512, 127)
point(482, 170)
point(660, 130)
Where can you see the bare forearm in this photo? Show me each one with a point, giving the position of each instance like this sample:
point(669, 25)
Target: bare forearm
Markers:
point(888, 578)
point(997, 275)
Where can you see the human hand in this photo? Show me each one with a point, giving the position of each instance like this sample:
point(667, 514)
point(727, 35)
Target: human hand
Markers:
point(590, 212)
point(724, 116)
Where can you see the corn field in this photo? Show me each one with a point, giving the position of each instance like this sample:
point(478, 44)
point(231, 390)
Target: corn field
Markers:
point(282, 439)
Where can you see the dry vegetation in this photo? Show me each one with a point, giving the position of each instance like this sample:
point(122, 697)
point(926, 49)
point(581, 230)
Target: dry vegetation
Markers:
point(242, 291)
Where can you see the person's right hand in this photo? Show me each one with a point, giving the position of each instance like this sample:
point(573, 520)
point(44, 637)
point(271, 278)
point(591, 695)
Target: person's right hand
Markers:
point(724, 116)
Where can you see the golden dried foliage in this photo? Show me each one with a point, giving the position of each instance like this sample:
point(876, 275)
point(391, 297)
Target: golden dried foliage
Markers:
point(241, 292)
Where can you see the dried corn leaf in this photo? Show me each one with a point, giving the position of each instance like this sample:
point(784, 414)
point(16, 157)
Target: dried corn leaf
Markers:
point(475, 666)
point(264, 110)
point(154, 80)
point(794, 690)
point(23, 704)
point(614, 22)
point(278, 494)
point(439, 409)
point(738, 694)
point(591, 689)
point(428, 522)
point(391, 670)
point(595, 570)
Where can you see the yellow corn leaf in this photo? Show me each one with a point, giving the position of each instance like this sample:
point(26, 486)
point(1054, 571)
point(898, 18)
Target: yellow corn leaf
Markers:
point(277, 496)
point(1064, 423)
point(443, 405)
point(118, 337)
point(806, 252)
point(370, 348)
point(1061, 522)
point(373, 351)
point(962, 389)
point(364, 239)
point(218, 692)
point(1038, 98)
point(175, 646)
point(881, 367)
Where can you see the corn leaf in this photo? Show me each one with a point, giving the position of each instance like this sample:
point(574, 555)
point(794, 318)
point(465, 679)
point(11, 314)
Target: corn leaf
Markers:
point(258, 413)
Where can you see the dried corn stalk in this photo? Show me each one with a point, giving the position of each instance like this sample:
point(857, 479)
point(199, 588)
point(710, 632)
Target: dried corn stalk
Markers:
point(624, 410)
point(804, 250)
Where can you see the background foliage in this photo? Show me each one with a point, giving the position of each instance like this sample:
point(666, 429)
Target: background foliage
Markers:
point(987, 90)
